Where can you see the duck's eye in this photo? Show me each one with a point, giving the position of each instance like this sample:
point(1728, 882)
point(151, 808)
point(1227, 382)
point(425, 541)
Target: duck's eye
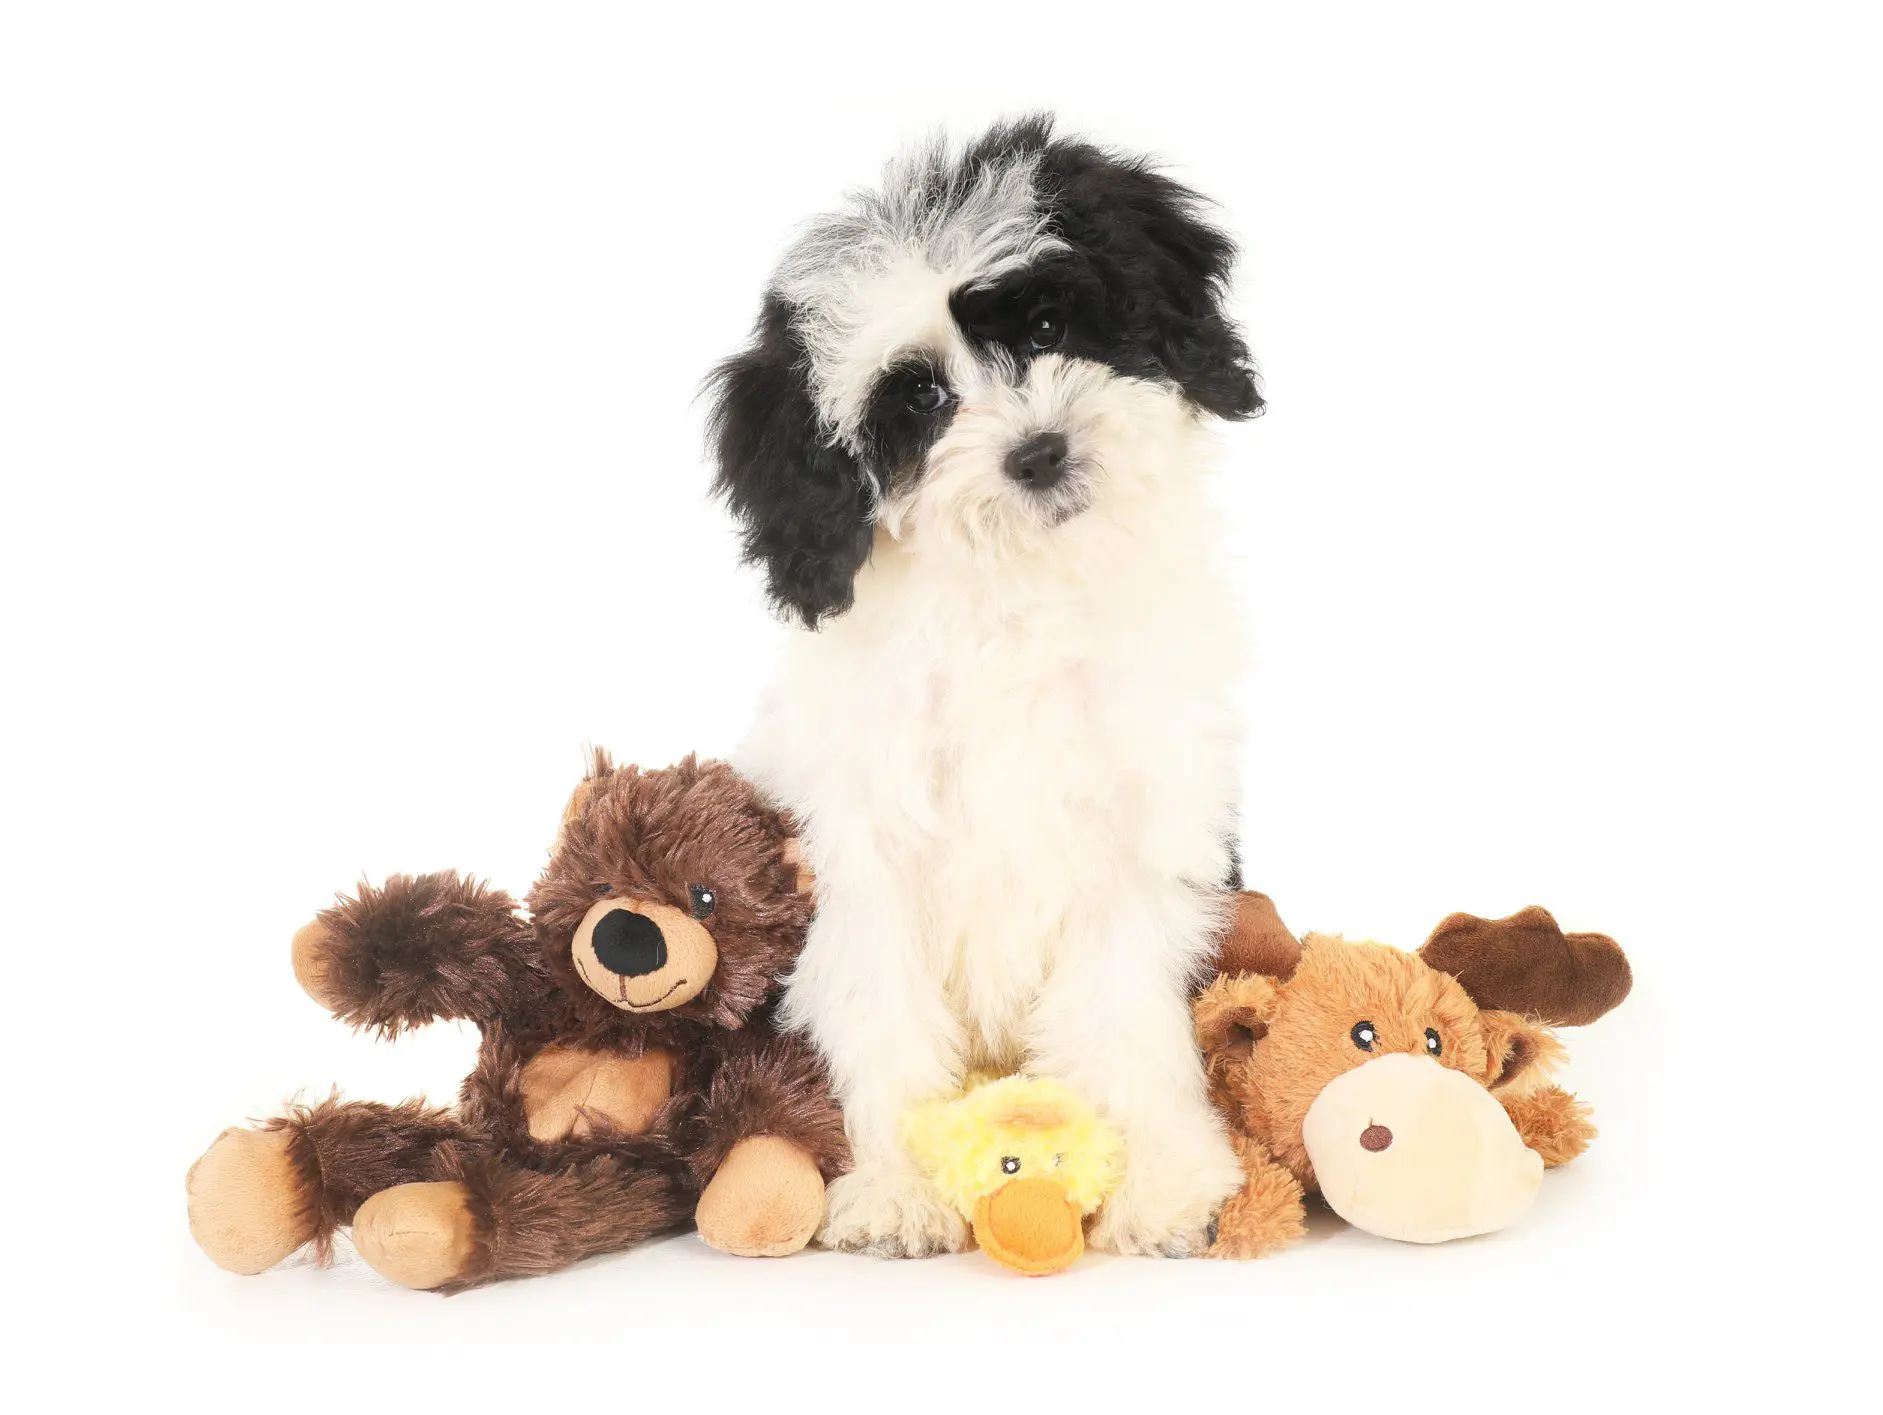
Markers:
point(1010, 1165)
point(1432, 1044)
point(604, 889)
point(1046, 328)
point(1363, 1035)
point(927, 396)
point(1058, 1160)
point(703, 900)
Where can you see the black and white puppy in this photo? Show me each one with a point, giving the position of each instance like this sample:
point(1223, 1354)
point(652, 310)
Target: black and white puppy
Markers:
point(967, 445)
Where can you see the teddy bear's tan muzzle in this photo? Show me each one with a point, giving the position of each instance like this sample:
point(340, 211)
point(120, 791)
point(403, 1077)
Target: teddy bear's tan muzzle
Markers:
point(643, 957)
point(1407, 1148)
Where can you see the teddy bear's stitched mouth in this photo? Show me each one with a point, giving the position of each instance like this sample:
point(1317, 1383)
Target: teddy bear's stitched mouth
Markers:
point(634, 1006)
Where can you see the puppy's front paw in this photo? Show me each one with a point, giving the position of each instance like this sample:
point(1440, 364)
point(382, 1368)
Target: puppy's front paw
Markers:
point(1164, 1210)
point(890, 1213)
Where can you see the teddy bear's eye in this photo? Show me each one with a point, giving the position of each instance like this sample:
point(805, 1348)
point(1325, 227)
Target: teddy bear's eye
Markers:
point(1432, 1043)
point(1010, 1165)
point(703, 900)
point(604, 889)
point(1363, 1035)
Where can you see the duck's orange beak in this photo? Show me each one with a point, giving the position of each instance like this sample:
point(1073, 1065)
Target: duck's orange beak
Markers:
point(1030, 1226)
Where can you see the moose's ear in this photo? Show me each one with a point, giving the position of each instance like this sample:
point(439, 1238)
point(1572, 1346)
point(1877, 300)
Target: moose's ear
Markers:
point(1232, 1015)
point(802, 502)
point(1258, 941)
point(1519, 1055)
point(1526, 964)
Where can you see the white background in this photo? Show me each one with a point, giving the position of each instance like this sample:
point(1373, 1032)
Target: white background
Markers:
point(353, 482)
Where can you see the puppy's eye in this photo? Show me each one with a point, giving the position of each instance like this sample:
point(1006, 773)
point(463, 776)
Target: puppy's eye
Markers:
point(1010, 1165)
point(927, 396)
point(1363, 1035)
point(1432, 1043)
point(703, 900)
point(1046, 328)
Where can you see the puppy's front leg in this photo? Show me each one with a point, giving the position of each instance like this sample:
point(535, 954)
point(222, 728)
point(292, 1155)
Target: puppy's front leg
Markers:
point(1115, 1022)
point(865, 992)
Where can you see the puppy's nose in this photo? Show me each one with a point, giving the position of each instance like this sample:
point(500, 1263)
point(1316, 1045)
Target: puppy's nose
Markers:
point(630, 944)
point(1375, 1138)
point(1040, 461)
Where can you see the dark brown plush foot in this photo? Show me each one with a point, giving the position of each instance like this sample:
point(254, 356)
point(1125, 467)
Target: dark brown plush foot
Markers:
point(249, 1208)
point(418, 1235)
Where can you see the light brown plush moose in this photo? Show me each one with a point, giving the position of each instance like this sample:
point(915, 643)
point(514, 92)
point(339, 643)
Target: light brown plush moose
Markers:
point(1412, 1090)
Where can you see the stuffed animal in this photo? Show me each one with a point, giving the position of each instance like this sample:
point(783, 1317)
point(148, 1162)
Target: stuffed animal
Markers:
point(1025, 1160)
point(1411, 1089)
point(629, 1079)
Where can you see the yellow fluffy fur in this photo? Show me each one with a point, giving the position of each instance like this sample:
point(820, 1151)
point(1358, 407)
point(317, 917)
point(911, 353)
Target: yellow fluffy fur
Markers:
point(1052, 1131)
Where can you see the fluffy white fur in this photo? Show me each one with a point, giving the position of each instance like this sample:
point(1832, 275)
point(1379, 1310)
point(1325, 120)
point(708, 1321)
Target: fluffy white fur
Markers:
point(1016, 757)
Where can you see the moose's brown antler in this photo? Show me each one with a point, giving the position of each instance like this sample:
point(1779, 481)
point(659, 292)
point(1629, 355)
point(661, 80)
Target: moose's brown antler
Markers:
point(1527, 964)
point(1258, 941)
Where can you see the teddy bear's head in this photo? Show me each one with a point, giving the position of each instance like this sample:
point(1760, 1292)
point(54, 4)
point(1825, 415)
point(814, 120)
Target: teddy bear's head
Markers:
point(670, 892)
point(1369, 1068)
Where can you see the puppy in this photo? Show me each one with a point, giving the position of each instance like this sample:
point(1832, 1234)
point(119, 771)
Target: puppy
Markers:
point(967, 446)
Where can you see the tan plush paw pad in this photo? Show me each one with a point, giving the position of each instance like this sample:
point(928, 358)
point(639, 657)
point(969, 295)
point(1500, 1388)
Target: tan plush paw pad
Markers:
point(312, 954)
point(248, 1208)
point(765, 1202)
point(417, 1235)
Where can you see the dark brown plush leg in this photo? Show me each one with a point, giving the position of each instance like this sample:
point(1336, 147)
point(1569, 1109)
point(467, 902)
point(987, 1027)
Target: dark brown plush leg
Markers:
point(257, 1196)
point(524, 1223)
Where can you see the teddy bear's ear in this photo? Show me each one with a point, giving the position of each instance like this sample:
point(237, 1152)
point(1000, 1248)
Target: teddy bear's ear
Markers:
point(1232, 1015)
point(600, 766)
point(1258, 941)
point(1526, 964)
point(1520, 1054)
point(794, 856)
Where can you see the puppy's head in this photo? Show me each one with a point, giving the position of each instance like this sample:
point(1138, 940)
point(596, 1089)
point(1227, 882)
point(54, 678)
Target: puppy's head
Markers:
point(998, 340)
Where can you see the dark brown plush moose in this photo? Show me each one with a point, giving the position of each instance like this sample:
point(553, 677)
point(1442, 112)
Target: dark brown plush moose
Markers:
point(629, 1081)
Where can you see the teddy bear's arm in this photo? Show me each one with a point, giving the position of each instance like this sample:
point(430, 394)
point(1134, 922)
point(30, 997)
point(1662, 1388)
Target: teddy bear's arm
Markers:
point(1267, 1213)
point(766, 1139)
point(417, 949)
point(769, 1086)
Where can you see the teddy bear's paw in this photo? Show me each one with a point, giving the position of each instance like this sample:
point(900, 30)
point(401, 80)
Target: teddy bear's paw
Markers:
point(765, 1202)
point(249, 1207)
point(417, 1235)
point(891, 1213)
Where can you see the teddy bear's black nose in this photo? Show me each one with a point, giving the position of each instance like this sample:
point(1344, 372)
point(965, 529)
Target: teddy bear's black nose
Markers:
point(630, 944)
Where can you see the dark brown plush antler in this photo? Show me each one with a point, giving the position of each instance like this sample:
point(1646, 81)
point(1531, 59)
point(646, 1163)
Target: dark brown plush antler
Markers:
point(1258, 941)
point(1528, 965)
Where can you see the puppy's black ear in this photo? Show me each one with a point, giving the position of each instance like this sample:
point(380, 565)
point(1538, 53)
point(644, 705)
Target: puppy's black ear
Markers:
point(1166, 264)
point(802, 503)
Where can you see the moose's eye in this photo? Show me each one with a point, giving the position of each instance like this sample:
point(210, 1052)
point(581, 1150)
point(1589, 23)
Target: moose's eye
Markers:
point(926, 395)
point(1363, 1035)
point(703, 900)
point(604, 889)
point(1045, 328)
point(1010, 1165)
point(1432, 1043)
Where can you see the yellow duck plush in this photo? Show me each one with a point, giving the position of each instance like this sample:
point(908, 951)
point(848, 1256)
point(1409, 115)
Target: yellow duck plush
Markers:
point(1025, 1159)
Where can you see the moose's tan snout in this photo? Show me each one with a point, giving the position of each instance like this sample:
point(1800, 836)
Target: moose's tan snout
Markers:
point(1407, 1148)
point(643, 957)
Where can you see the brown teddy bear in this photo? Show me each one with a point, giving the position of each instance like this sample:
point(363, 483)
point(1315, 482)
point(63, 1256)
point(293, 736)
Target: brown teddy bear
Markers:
point(1411, 1090)
point(629, 1078)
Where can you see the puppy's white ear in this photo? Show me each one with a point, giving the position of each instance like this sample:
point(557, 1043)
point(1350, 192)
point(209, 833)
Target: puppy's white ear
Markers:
point(802, 502)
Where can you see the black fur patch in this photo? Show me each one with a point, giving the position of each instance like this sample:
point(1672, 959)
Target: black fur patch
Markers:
point(802, 503)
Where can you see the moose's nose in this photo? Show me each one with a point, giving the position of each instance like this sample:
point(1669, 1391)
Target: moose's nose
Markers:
point(1040, 461)
point(1375, 1138)
point(630, 944)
